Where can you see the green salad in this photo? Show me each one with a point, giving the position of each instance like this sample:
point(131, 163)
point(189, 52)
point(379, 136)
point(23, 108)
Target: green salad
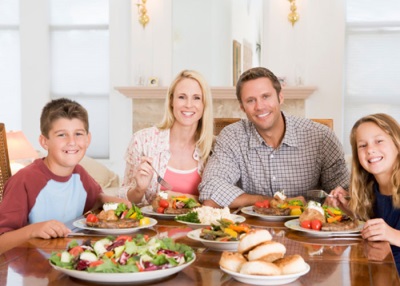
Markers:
point(123, 254)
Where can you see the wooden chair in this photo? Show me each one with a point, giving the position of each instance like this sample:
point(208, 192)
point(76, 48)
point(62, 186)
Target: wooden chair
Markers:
point(5, 170)
point(220, 123)
point(327, 122)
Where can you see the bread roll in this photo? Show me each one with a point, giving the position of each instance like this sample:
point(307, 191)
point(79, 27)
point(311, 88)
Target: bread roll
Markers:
point(232, 261)
point(252, 239)
point(268, 251)
point(259, 267)
point(291, 264)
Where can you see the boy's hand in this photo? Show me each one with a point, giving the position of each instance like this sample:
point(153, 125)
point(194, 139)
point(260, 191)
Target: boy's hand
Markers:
point(49, 229)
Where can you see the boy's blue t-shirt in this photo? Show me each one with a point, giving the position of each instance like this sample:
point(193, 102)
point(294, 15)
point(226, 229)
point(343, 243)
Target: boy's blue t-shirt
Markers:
point(62, 201)
point(383, 208)
point(35, 194)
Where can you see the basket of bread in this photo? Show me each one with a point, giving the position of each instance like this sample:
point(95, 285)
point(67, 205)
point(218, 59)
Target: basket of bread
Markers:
point(261, 261)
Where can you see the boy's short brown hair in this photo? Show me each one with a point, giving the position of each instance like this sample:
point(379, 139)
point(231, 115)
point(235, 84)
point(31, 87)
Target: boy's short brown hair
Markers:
point(62, 108)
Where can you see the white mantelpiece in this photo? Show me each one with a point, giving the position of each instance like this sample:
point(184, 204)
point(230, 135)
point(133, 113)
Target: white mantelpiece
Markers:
point(148, 102)
point(143, 92)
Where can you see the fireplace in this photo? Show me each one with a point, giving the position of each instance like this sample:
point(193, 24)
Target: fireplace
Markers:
point(148, 103)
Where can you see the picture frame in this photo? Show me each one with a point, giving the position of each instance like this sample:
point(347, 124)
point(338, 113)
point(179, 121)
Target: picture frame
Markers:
point(236, 61)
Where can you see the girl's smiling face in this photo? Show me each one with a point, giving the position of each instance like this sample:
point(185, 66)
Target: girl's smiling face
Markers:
point(376, 150)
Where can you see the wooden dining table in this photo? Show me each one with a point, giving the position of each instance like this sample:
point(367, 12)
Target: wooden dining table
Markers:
point(332, 260)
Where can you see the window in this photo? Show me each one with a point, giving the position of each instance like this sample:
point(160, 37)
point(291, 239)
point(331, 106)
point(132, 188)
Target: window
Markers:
point(372, 61)
point(79, 62)
point(10, 100)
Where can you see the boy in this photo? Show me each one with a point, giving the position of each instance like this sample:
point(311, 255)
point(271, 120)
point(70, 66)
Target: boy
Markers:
point(40, 198)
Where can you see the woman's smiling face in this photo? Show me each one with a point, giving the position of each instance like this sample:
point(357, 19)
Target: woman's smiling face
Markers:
point(187, 102)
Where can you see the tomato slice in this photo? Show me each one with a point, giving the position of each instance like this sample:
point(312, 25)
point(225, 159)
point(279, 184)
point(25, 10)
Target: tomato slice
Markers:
point(306, 224)
point(75, 251)
point(163, 203)
point(92, 218)
point(259, 204)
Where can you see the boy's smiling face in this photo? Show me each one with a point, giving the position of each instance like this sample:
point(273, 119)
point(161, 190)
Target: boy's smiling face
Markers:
point(66, 145)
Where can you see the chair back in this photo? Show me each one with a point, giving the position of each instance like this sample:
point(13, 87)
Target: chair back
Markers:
point(5, 171)
point(328, 122)
point(220, 123)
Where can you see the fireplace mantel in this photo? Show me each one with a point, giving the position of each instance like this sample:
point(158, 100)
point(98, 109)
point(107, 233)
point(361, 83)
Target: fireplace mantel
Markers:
point(148, 92)
point(148, 102)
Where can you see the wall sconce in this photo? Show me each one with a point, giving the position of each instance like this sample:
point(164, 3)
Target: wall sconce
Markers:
point(20, 151)
point(293, 16)
point(143, 17)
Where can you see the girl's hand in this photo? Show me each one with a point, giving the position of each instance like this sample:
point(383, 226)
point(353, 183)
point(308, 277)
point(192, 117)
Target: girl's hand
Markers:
point(378, 230)
point(338, 199)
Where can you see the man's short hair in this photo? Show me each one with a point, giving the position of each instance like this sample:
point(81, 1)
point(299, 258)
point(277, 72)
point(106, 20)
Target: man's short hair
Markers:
point(255, 73)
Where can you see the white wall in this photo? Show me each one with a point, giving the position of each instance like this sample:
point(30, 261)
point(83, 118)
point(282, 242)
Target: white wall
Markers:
point(313, 48)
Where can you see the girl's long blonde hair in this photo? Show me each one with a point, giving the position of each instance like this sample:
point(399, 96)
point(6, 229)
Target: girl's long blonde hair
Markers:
point(205, 129)
point(361, 182)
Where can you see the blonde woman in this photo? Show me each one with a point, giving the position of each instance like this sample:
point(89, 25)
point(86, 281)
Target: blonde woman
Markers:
point(177, 148)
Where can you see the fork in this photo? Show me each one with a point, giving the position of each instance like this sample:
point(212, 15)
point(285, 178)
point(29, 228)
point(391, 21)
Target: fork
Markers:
point(321, 194)
point(161, 180)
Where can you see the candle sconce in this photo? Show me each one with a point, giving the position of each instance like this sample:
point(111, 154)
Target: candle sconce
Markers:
point(143, 17)
point(293, 17)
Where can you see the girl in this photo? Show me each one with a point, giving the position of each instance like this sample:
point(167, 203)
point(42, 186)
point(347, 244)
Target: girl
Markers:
point(375, 179)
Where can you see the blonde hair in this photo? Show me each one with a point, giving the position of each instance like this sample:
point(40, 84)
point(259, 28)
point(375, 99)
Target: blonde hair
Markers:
point(361, 182)
point(205, 129)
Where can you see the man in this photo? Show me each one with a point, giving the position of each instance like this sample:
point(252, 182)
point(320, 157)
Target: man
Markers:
point(270, 151)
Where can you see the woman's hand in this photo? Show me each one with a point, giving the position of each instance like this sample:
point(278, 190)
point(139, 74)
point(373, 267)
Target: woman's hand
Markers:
point(378, 230)
point(143, 175)
point(49, 229)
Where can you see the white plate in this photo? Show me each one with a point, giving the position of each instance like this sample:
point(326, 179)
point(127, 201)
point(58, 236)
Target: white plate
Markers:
point(148, 210)
point(212, 244)
point(265, 280)
point(81, 223)
point(295, 225)
point(235, 218)
point(134, 278)
point(249, 210)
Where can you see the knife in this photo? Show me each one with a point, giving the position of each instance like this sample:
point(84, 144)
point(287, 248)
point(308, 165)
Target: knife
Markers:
point(86, 234)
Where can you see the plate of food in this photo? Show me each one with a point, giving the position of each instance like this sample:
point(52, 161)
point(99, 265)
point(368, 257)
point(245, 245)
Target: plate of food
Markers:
point(325, 221)
point(266, 279)
point(205, 216)
point(115, 218)
point(168, 205)
point(224, 236)
point(279, 208)
point(249, 210)
point(148, 210)
point(354, 230)
point(120, 260)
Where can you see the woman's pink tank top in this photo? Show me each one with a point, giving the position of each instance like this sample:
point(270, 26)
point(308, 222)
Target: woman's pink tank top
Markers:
point(183, 181)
